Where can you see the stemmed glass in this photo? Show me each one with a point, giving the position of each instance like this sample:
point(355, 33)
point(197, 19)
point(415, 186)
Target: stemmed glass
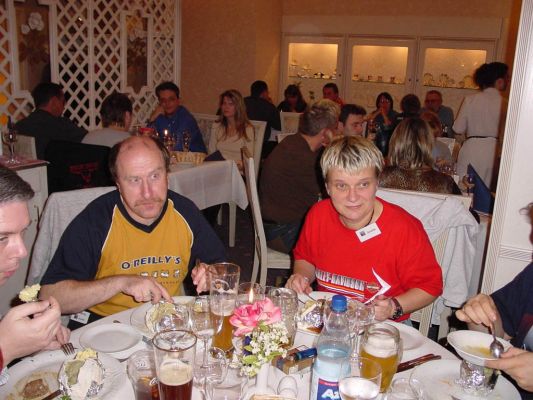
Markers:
point(468, 181)
point(359, 316)
point(360, 379)
point(203, 323)
point(211, 371)
point(186, 135)
point(9, 137)
point(179, 319)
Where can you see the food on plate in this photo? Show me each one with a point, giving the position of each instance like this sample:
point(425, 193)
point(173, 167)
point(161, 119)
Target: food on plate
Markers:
point(29, 293)
point(479, 351)
point(35, 389)
point(83, 376)
point(157, 312)
point(311, 315)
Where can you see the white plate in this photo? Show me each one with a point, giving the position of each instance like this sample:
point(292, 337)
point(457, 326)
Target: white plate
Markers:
point(110, 338)
point(50, 362)
point(438, 378)
point(467, 343)
point(411, 337)
point(137, 316)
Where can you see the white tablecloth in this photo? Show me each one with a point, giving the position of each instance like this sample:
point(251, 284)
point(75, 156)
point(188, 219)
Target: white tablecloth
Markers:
point(126, 392)
point(209, 184)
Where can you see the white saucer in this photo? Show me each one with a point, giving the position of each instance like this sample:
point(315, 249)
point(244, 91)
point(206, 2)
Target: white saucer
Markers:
point(112, 339)
point(438, 379)
point(411, 338)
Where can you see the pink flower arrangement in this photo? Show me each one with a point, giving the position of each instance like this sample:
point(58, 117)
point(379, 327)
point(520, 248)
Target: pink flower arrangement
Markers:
point(248, 316)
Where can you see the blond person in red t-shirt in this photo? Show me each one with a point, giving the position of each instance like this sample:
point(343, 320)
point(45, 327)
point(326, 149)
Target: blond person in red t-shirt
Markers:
point(357, 244)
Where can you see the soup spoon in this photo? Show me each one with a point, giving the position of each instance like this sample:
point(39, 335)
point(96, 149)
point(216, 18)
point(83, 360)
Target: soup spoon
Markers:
point(496, 348)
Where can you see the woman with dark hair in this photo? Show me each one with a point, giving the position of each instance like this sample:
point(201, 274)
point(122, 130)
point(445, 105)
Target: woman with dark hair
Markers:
point(480, 120)
point(384, 120)
point(233, 130)
point(294, 101)
point(411, 163)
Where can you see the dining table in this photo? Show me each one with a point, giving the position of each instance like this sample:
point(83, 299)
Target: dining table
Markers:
point(209, 184)
point(421, 345)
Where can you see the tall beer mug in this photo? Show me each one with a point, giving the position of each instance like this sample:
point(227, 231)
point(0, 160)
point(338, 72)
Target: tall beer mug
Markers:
point(223, 289)
point(382, 343)
point(174, 352)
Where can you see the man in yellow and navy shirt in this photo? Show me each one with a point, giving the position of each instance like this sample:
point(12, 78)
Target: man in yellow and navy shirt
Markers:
point(135, 244)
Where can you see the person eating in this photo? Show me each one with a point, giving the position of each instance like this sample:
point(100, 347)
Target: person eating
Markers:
point(361, 246)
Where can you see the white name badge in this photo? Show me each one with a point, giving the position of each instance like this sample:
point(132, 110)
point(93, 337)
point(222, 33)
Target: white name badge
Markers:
point(368, 232)
point(81, 317)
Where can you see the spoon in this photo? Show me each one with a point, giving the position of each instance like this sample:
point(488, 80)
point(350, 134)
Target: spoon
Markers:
point(496, 348)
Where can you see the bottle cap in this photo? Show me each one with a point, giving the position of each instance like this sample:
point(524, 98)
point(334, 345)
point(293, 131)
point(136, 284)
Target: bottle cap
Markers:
point(338, 303)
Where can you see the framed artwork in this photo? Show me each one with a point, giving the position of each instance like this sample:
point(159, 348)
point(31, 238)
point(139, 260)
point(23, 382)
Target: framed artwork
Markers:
point(33, 55)
point(136, 51)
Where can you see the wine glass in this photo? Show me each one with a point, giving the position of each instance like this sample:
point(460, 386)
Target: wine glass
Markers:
point(179, 319)
point(210, 371)
point(186, 137)
point(203, 324)
point(468, 181)
point(359, 316)
point(360, 379)
point(9, 137)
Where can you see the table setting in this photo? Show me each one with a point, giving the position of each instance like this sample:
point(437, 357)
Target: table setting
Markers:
point(240, 340)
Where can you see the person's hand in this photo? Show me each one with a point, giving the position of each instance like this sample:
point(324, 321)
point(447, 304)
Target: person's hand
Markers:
point(21, 335)
point(143, 288)
point(480, 310)
point(518, 364)
point(62, 337)
point(156, 113)
point(299, 283)
point(199, 277)
point(383, 307)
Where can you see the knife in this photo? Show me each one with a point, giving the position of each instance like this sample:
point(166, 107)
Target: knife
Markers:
point(53, 395)
point(417, 361)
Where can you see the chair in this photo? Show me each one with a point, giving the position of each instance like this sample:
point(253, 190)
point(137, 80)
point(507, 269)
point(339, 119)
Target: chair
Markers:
point(76, 166)
point(264, 257)
point(59, 211)
point(289, 122)
point(259, 128)
point(205, 121)
point(452, 231)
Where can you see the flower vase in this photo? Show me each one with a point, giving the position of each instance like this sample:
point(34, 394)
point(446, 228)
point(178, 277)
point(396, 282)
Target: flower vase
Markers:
point(261, 384)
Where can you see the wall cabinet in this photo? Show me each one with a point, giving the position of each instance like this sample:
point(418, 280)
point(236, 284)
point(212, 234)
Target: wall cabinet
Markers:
point(362, 67)
point(35, 175)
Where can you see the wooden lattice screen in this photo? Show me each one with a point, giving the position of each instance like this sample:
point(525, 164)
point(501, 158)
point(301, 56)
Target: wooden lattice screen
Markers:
point(87, 38)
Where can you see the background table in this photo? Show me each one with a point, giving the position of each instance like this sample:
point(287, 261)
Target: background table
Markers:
point(209, 184)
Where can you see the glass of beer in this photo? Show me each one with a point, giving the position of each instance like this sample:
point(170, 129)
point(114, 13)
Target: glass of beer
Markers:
point(360, 380)
point(381, 342)
point(174, 352)
point(223, 291)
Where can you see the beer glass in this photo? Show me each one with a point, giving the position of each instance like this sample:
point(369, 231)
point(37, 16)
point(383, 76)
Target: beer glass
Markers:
point(223, 289)
point(381, 342)
point(141, 371)
point(360, 379)
point(174, 361)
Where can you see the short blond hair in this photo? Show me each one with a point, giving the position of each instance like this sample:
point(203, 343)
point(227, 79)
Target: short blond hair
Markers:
point(411, 144)
point(351, 154)
point(323, 114)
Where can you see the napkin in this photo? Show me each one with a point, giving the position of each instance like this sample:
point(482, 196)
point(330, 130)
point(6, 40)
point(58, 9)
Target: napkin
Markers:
point(483, 199)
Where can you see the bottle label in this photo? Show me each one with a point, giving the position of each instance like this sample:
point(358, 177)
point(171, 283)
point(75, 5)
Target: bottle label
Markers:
point(327, 390)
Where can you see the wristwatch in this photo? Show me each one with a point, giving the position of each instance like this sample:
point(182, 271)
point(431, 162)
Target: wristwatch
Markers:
point(398, 310)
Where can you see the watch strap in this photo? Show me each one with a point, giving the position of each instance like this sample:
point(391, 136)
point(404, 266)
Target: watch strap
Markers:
point(398, 310)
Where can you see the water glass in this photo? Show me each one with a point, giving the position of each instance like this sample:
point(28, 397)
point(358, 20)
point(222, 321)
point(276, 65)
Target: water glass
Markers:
point(210, 371)
point(381, 343)
point(142, 374)
point(249, 292)
point(174, 361)
point(179, 319)
point(359, 316)
point(405, 389)
point(223, 280)
point(360, 379)
point(287, 300)
point(231, 387)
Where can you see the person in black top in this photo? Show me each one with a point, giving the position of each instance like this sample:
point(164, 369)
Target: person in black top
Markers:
point(45, 123)
point(294, 101)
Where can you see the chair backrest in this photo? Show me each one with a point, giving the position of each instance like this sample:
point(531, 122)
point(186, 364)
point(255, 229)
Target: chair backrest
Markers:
point(205, 121)
point(76, 166)
point(253, 200)
point(24, 146)
point(421, 205)
point(289, 122)
point(259, 129)
point(59, 211)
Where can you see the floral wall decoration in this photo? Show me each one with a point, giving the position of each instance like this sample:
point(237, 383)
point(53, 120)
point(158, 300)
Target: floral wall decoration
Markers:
point(33, 43)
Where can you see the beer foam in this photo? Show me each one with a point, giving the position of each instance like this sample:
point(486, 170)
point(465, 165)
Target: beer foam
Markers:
point(381, 346)
point(175, 373)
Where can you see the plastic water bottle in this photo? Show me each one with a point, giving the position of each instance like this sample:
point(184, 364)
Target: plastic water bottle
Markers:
point(333, 348)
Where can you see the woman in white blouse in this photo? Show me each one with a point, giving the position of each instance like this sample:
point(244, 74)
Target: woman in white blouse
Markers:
point(233, 130)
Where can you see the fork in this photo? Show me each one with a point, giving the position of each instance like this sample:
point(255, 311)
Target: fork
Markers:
point(68, 348)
